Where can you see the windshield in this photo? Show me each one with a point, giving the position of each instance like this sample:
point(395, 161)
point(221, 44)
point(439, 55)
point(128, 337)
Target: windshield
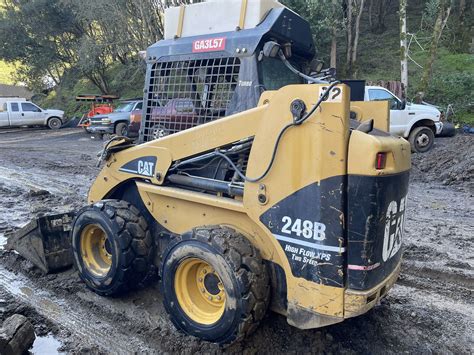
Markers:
point(382, 95)
point(275, 74)
point(125, 107)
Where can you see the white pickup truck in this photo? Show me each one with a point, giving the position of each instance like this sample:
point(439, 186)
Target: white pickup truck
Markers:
point(417, 123)
point(25, 113)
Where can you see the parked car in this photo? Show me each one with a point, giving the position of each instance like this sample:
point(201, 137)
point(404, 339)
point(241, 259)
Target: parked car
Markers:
point(116, 122)
point(417, 123)
point(176, 115)
point(25, 113)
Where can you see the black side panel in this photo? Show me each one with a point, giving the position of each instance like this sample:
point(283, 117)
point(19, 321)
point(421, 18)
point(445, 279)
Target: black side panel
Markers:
point(376, 211)
point(309, 226)
point(144, 166)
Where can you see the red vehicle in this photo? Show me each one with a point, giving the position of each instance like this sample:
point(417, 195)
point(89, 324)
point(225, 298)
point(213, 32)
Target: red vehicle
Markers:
point(100, 104)
point(177, 115)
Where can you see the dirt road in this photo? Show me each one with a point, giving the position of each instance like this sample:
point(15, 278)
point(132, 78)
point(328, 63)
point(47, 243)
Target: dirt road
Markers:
point(431, 308)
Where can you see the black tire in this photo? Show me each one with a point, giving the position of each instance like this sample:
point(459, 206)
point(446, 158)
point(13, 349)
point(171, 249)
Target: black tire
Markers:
point(449, 130)
point(421, 139)
point(121, 129)
point(130, 246)
point(242, 274)
point(158, 131)
point(54, 123)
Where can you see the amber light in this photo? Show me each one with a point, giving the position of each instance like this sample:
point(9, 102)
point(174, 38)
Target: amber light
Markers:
point(135, 117)
point(380, 161)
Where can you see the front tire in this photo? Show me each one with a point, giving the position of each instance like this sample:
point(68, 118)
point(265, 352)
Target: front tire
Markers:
point(121, 129)
point(112, 246)
point(421, 139)
point(215, 284)
point(54, 123)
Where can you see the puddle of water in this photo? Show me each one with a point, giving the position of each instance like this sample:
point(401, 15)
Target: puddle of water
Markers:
point(47, 345)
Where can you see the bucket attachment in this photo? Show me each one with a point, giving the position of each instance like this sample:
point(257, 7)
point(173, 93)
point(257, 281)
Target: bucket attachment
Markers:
point(45, 241)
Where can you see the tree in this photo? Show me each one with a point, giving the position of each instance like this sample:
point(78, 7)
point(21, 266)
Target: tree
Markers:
point(333, 56)
point(327, 22)
point(40, 35)
point(353, 7)
point(460, 36)
point(383, 8)
point(444, 10)
point(403, 44)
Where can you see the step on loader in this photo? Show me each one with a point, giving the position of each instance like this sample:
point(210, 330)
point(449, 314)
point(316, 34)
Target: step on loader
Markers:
point(260, 192)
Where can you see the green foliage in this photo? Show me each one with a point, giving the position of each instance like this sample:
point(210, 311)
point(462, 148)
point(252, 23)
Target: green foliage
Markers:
point(454, 82)
point(6, 71)
point(40, 35)
point(324, 17)
point(91, 46)
point(430, 13)
point(128, 82)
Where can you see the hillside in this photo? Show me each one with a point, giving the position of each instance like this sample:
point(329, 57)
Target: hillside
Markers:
point(102, 65)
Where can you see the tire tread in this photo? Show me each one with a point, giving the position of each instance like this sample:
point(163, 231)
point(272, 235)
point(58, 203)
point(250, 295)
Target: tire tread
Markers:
point(249, 269)
point(134, 240)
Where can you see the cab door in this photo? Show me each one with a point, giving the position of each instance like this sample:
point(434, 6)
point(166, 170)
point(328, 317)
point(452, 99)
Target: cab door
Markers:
point(16, 118)
point(31, 114)
point(4, 116)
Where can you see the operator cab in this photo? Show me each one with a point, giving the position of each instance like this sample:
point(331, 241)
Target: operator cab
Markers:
point(221, 73)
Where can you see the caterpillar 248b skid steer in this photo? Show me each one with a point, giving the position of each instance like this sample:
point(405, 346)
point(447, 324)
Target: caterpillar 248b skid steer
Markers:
point(250, 188)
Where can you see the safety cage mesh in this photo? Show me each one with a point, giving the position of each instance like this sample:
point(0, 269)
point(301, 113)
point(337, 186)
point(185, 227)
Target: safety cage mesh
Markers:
point(188, 93)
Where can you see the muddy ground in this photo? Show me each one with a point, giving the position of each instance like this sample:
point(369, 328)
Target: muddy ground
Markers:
point(430, 310)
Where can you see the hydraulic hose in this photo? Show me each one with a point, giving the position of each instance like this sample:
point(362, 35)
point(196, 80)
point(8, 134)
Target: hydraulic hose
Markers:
point(280, 135)
point(297, 72)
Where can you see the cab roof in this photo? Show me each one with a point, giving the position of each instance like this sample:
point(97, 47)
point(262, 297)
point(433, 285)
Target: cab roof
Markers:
point(280, 24)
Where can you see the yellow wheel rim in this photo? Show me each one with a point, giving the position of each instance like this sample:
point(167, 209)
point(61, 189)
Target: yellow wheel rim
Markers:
point(199, 291)
point(96, 250)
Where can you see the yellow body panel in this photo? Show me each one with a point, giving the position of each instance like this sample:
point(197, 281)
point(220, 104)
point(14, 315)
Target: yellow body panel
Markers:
point(379, 111)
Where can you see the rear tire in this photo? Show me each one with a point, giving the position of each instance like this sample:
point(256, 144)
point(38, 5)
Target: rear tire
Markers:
point(112, 246)
point(215, 284)
point(54, 123)
point(421, 139)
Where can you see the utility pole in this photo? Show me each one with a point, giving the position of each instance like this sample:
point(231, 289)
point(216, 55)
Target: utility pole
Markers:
point(403, 45)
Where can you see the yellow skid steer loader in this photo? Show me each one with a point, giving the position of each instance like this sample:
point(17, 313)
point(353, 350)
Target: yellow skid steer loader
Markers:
point(250, 188)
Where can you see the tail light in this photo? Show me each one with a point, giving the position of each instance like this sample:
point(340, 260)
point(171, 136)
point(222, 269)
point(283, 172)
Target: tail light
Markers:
point(380, 161)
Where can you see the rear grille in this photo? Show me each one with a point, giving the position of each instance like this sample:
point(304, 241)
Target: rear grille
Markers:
point(185, 94)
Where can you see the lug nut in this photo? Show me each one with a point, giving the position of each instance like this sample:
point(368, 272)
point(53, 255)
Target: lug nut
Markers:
point(203, 290)
point(210, 298)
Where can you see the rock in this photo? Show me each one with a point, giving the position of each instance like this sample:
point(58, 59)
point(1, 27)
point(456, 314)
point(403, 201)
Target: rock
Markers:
point(16, 335)
point(37, 193)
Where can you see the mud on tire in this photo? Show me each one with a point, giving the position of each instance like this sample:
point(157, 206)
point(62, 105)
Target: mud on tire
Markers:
point(243, 275)
point(112, 246)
